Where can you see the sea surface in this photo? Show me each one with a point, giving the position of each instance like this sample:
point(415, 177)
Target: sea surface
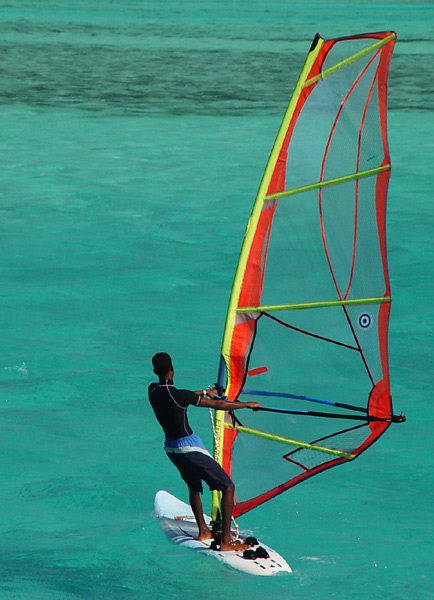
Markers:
point(133, 137)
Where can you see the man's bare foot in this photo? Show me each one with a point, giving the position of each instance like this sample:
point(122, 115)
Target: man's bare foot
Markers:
point(204, 534)
point(233, 546)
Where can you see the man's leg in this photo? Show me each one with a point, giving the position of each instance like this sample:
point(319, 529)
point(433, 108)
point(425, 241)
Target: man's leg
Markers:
point(196, 505)
point(227, 506)
point(201, 466)
point(186, 466)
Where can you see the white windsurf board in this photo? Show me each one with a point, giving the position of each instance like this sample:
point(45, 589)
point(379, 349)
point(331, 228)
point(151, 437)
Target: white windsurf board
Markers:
point(178, 523)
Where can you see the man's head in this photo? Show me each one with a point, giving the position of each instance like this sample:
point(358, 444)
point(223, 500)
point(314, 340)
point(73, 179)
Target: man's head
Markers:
point(162, 364)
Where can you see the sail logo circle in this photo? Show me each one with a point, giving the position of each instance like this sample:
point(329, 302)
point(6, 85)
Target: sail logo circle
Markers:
point(365, 320)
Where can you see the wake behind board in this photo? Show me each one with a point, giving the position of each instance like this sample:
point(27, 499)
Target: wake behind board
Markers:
point(178, 523)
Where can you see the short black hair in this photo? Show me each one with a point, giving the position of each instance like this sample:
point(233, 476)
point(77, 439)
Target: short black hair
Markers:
point(162, 363)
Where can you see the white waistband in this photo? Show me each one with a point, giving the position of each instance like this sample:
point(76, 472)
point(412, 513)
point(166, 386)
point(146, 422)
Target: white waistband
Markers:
point(186, 449)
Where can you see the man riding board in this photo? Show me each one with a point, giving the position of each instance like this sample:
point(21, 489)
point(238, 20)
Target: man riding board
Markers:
point(186, 450)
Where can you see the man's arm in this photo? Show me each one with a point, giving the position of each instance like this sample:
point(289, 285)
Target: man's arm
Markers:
point(219, 404)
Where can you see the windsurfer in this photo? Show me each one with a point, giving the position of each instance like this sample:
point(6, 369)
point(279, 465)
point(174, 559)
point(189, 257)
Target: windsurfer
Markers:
point(186, 450)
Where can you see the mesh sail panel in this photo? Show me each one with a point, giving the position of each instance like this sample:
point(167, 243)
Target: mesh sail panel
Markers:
point(286, 464)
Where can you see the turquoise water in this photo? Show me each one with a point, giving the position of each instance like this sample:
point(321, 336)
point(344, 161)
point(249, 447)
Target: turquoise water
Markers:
point(133, 138)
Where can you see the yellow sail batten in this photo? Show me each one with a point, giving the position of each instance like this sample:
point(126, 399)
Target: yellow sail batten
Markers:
point(283, 440)
point(307, 305)
point(329, 182)
point(350, 59)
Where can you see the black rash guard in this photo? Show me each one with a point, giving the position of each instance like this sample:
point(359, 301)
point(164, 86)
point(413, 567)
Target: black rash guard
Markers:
point(170, 407)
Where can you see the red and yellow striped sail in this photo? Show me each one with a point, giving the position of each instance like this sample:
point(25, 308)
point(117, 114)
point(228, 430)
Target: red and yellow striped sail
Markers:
point(308, 313)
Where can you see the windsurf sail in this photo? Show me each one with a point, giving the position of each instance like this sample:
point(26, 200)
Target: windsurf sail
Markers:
point(306, 327)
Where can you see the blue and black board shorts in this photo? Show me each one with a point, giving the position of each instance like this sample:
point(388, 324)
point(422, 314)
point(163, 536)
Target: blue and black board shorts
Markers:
point(196, 467)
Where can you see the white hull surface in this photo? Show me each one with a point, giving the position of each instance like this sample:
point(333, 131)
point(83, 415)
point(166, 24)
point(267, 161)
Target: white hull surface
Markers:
point(178, 523)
